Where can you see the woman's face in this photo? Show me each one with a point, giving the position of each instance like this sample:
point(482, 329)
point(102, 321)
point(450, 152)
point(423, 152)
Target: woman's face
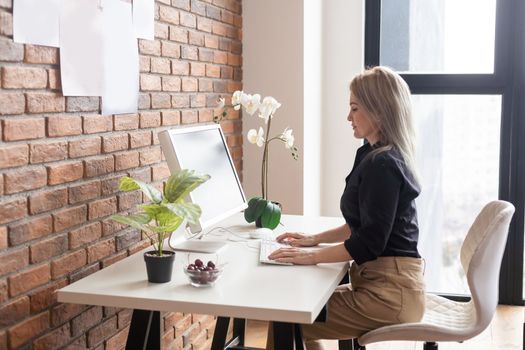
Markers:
point(362, 123)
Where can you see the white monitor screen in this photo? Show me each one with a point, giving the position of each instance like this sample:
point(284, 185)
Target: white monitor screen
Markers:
point(203, 149)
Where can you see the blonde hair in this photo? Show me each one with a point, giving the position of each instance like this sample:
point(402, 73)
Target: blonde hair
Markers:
point(386, 98)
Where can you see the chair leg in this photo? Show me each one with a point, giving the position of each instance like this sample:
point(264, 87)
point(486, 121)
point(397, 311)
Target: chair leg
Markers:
point(356, 345)
point(430, 345)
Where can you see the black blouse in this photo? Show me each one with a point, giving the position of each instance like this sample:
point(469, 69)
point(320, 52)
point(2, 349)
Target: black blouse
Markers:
point(378, 206)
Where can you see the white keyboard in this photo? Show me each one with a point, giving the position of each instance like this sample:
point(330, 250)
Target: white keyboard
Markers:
point(267, 247)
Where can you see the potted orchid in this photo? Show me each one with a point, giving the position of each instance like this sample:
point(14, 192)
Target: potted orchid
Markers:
point(263, 211)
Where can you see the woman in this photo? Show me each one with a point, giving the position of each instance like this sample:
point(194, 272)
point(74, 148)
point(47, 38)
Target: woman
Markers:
point(381, 231)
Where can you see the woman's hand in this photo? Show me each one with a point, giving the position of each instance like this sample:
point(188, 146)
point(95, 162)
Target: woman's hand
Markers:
point(294, 255)
point(297, 239)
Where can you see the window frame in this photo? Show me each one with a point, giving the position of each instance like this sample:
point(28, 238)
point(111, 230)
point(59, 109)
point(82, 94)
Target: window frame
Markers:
point(508, 80)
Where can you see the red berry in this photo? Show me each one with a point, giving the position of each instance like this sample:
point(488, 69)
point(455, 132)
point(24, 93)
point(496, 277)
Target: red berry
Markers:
point(198, 262)
point(211, 264)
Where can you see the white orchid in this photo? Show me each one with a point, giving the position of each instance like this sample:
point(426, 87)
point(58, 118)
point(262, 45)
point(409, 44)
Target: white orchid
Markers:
point(221, 102)
point(256, 137)
point(268, 107)
point(288, 138)
point(236, 99)
point(251, 103)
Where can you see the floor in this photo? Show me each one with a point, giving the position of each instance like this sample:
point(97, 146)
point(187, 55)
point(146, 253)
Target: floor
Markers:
point(504, 333)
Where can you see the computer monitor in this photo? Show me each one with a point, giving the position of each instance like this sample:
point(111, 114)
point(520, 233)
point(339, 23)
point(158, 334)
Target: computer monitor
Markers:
point(203, 148)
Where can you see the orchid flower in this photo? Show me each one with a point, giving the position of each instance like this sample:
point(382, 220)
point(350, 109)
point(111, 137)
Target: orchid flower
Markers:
point(268, 107)
point(256, 137)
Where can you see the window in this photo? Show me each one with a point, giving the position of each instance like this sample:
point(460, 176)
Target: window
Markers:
point(463, 61)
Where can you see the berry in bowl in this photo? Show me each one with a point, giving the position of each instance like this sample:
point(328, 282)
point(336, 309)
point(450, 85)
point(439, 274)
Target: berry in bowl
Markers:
point(202, 274)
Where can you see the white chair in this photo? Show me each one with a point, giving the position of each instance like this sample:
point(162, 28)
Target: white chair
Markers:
point(447, 320)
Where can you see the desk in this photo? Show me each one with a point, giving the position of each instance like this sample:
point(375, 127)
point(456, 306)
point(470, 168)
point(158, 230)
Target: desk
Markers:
point(247, 289)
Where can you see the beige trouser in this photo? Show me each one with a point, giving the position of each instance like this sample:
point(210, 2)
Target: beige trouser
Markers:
point(385, 291)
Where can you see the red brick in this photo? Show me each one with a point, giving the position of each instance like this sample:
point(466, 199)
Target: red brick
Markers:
point(149, 47)
point(126, 160)
point(84, 192)
point(84, 147)
point(83, 272)
point(188, 20)
point(3, 334)
point(99, 166)
point(234, 60)
point(86, 320)
point(150, 156)
point(160, 100)
point(11, 51)
point(126, 122)
point(41, 54)
point(14, 311)
point(54, 82)
point(169, 15)
point(69, 217)
point(205, 115)
point(178, 34)
point(189, 117)
point(160, 65)
point(170, 118)
point(161, 30)
point(3, 292)
point(124, 318)
point(12, 103)
point(54, 339)
point(213, 12)
point(149, 120)
point(213, 71)
point(140, 139)
point(12, 156)
point(43, 102)
point(45, 297)
point(205, 85)
point(18, 77)
point(182, 4)
point(6, 24)
point(13, 210)
point(65, 172)
point(128, 200)
point(226, 72)
point(68, 263)
point(13, 260)
point(189, 84)
point(101, 250)
point(3, 241)
point(28, 329)
point(25, 179)
point(64, 125)
point(47, 152)
point(82, 103)
point(46, 201)
point(171, 83)
point(102, 207)
point(64, 312)
point(182, 325)
point(24, 128)
point(198, 69)
point(189, 53)
point(204, 24)
point(29, 279)
point(180, 67)
point(160, 172)
point(220, 86)
point(196, 38)
point(144, 63)
point(118, 341)
point(109, 186)
point(149, 82)
point(167, 339)
point(114, 143)
point(34, 228)
point(210, 41)
point(109, 226)
point(102, 331)
point(144, 101)
point(85, 234)
point(220, 57)
point(170, 49)
point(97, 123)
point(127, 239)
point(197, 101)
point(48, 248)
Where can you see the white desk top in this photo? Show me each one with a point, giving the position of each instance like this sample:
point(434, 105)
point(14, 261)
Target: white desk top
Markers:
point(247, 289)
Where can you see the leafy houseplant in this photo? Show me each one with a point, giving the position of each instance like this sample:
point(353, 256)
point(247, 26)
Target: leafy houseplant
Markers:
point(162, 216)
point(264, 212)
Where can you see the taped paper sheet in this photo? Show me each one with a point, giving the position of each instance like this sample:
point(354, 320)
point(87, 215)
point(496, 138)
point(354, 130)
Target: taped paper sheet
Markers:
point(121, 59)
point(81, 47)
point(144, 19)
point(36, 22)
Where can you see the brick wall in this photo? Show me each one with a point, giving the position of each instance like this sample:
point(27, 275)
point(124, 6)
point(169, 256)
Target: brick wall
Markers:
point(60, 161)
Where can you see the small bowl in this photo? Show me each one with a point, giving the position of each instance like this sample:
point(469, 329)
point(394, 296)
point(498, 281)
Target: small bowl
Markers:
point(206, 278)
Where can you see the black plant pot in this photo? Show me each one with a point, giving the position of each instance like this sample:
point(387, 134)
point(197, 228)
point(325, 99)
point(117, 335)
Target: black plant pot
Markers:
point(159, 267)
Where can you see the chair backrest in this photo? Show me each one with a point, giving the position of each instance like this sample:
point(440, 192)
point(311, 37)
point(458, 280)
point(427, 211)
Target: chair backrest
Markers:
point(481, 255)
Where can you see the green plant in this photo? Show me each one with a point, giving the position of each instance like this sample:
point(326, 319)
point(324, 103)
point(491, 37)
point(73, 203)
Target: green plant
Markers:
point(167, 210)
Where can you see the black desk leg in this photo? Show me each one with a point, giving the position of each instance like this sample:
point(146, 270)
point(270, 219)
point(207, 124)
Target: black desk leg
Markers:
point(144, 331)
point(287, 336)
point(221, 332)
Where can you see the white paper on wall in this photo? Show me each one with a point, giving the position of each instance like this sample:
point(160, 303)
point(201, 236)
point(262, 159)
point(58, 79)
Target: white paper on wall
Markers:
point(81, 51)
point(36, 22)
point(121, 59)
point(144, 19)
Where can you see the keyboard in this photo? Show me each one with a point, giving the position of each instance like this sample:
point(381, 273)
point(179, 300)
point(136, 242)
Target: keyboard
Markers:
point(267, 247)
